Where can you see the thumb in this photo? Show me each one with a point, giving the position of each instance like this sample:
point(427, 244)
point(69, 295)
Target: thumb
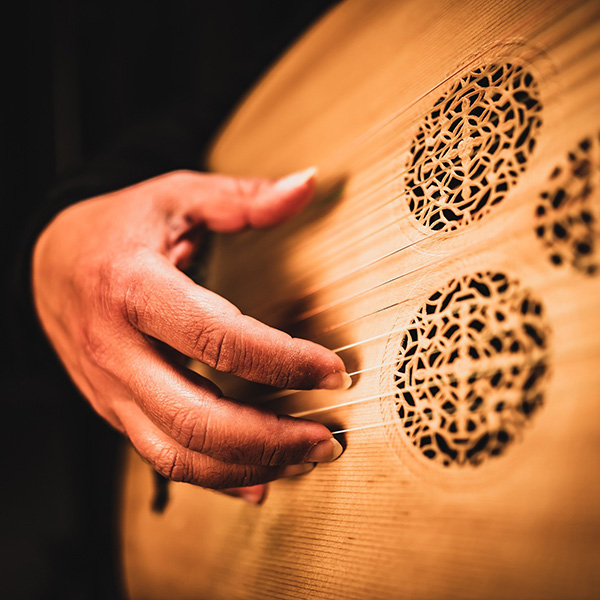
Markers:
point(226, 204)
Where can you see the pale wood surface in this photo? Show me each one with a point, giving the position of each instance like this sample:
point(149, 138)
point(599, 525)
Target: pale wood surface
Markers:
point(384, 521)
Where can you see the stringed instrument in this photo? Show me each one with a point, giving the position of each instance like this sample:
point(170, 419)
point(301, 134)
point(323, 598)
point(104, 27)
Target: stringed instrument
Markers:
point(452, 258)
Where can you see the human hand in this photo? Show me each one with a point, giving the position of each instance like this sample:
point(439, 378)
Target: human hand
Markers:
point(107, 285)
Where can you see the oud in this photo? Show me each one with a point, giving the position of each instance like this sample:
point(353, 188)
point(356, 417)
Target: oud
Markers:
point(451, 257)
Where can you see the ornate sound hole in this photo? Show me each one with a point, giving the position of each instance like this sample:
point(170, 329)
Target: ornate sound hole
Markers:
point(472, 146)
point(471, 369)
point(568, 217)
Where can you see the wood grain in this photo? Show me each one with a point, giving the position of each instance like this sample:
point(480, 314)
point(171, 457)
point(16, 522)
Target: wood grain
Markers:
point(384, 521)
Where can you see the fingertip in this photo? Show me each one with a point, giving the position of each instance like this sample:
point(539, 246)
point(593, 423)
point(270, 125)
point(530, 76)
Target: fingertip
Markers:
point(317, 367)
point(333, 371)
point(325, 451)
point(287, 197)
point(339, 380)
point(296, 180)
point(254, 494)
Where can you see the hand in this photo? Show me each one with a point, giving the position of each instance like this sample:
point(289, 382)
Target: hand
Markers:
point(107, 285)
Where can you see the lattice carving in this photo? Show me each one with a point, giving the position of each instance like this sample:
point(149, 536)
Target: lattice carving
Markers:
point(472, 146)
point(471, 369)
point(568, 213)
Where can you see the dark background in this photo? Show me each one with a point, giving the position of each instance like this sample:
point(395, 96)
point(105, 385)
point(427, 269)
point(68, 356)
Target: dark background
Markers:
point(96, 96)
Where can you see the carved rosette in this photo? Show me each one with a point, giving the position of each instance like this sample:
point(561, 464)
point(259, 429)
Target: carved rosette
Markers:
point(470, 370)
point(568, 212)
point(472, 146)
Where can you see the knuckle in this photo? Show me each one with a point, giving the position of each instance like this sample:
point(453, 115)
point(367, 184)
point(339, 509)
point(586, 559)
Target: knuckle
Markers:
point(111, 286)
point(110, 282)
point(203, 342)
point(248, 186)
point(245, 187)
point(269, 455)
point(222, 345)
point(228, 344)
point(191, 430)
point(227, 353)
point(173, 464)
point(211, 345)
point(169, 463)
point(135, 302)
point(95, 346)
point(275, 452)
point(274, 455)
point(249, 476)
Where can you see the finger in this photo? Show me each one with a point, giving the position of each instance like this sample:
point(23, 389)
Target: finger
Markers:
point(191, 411)
point(180, 464)
point(164, 303)
point(227, 204)
point(254, 494)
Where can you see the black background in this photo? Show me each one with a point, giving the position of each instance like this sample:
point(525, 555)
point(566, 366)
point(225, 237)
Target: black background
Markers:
point(75, 76)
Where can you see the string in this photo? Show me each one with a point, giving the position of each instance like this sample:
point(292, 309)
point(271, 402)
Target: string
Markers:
point(388, 334)
point(588, 23)
point(319, 310)
point(438, 381)
point(372, 425)
point(370, 263)
point(367, 190)
point(361, 140)
point(429, 415)
point(370, 133)
point(317, 288)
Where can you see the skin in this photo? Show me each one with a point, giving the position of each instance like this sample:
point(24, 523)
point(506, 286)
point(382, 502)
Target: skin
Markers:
point(111, 296)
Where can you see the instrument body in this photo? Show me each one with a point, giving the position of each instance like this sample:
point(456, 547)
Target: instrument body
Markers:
point(450, 257)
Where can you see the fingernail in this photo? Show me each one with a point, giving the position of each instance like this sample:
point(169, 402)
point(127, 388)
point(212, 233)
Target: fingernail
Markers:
point(254, 494)
point(340, 380)
point(293, 470)
point(325, 451)
point(296, 179)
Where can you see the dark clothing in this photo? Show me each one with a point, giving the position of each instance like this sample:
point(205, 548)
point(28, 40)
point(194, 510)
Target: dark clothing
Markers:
point(101, 95)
